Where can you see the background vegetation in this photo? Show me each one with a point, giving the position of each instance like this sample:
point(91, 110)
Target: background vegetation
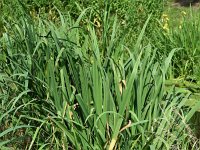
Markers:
point(98, 75)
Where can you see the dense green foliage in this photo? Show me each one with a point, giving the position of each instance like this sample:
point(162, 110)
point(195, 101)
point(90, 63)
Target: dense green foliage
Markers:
point(183, 35)
point(86, 75)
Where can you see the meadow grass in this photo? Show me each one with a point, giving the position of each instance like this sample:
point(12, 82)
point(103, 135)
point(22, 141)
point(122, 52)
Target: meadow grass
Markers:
point(181, 30)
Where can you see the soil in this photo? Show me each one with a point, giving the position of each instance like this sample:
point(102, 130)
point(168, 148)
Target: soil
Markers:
point(186, 3)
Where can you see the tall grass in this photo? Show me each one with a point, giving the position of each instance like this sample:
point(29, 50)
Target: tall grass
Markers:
point(63, 87)
point(183, 34)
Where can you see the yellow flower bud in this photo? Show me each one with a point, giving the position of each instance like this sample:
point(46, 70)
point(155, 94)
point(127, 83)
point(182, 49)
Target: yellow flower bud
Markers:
point(183, 13)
